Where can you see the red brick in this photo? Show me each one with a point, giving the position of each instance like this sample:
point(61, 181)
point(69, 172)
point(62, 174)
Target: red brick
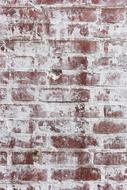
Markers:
point(77, 29)
point(114, 111)
point(23, 94)
point(73, 142)
point(118, 176)
point(73, 46)
point(57, 77)
point(21, 77)
point(80, 174)
point(77, 62)
point(3, 94)
point(21, 63)
point(21, 126)
point(29, 142)
point(82, 111)
point(117, 158)
point(63, 78)
point(60, 126)
point(63, 95)
point(37, 111)
point(108, 186)
point(29, 175)
point(4, 78)
point(25, 13)
point(107, 127)
point(113, 15)
point(3, 158)
point(114, 143)
point(66, 158)
point(2, 61)
point(7, 142)
point(74, 14)
point(115, 79)
point(59, 62)
point(22, 158)
point(109, 2)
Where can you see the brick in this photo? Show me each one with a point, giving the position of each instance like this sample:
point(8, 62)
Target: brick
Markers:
point(77, 62)
point(63, 66)
point(3, 158)
point(73, 142)
point(4, 78)
point(30, 142)
point(66, 158)
point(112, 47)
point(73, 14)
point(82, 111)
point(7, 141)
point(107, 127)
point(3, 94)
point(63, 63)
point(109, 2)
point(108, 158)
point(29, 175)
point(20, 31)
point(80, 30)
point(59, 126)
point(33, 78)
point(22, 158)
point(84, 174)
point(114, 143)
point(114, 111)
point(115, 79)
point(107, 186)
point(112, 15)
point(110, 95)
point(21, 126)
point(21, 63)
point(2, 62)
point(57, 77)
point(23, 94)
point(119, 175)
point(22, 13)
point(63, 95)
point(78, 46)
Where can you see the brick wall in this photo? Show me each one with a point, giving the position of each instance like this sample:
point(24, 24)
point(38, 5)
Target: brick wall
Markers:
point(63, 95)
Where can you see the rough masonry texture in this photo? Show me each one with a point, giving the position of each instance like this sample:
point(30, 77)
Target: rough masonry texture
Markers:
point(63, 94)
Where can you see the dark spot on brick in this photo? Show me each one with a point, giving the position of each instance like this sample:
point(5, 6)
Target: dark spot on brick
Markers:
point(57, 72)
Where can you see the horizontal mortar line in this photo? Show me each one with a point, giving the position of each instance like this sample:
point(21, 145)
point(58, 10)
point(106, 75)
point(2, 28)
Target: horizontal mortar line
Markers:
point(70, 102)
point(64, 39)
point(69, 71)
point(65, 150)
point(28, 103)
point(108, 103)
point(72, 119)
point(44, 150)
point(48, 39)
point(64, 86)
point(38, 87)
point(63, 5)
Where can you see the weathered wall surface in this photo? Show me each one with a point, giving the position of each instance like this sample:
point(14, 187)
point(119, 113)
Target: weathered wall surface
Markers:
point(63, 95)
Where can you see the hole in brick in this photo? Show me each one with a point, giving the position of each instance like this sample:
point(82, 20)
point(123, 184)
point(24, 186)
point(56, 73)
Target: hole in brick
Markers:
point(57, 72)
point(2, 48)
